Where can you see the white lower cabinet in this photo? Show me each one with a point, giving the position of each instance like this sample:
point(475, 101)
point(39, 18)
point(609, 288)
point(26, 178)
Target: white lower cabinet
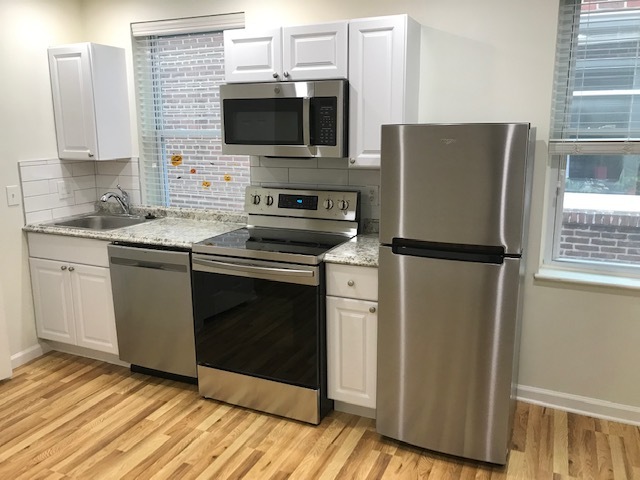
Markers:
point(72, 301)
point(352, 333)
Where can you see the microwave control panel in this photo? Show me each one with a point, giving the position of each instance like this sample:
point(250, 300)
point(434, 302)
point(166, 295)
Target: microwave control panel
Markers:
point(324, 120)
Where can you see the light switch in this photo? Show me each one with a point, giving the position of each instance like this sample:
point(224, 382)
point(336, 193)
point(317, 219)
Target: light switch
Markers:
point(63, 190)
point(13, 195)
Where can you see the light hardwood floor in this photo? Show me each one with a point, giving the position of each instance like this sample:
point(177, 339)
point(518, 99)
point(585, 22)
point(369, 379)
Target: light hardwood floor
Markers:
point(63, 416)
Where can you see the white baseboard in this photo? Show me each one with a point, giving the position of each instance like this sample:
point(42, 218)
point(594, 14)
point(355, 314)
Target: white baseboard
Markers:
point(85, 352)
point(592, 407)
point(20, 358)
point(354, 409)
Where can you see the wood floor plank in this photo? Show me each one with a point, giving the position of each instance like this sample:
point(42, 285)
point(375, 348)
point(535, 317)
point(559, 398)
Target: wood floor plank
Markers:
point(560, 443)
point(65, 417)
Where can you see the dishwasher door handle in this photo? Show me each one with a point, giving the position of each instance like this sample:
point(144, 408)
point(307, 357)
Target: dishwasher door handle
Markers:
point(128, 262)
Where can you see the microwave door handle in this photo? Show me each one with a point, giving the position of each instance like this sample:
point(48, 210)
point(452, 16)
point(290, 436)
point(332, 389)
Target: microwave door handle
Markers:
point(306, 124)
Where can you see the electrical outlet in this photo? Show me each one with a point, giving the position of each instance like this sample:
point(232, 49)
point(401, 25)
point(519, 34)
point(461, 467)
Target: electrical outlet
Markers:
point(13, 195)
point(372, 195)
point(63, 190)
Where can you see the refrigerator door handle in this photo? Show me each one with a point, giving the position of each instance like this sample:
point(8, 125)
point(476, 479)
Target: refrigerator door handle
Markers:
point(446, 251)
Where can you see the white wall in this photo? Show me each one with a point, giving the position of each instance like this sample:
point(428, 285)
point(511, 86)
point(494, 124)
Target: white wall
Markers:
point(481, 61)
point(27, 28)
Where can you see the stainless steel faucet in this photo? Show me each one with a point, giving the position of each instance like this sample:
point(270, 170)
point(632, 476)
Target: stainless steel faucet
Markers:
point(122, 199)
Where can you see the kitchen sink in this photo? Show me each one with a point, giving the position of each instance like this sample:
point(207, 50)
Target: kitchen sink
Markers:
point(101, 222)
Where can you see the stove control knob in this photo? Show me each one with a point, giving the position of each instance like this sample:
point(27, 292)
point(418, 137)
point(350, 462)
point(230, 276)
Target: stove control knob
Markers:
point(255, 199)
point(269, 200)
point(343, 204)
point(328, 204)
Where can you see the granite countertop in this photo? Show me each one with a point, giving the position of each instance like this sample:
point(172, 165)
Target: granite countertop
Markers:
point(180, 228)
point(360, 251)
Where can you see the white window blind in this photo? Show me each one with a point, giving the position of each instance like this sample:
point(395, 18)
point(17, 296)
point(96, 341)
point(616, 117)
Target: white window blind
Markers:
point(596, 105)
point(595, 138)
point(179, 65)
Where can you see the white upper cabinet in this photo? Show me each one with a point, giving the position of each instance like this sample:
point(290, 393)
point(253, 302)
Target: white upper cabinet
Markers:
point(90, 101)
point(313, 52)
point(254, 56)
point(308, 52)
point(384, 69)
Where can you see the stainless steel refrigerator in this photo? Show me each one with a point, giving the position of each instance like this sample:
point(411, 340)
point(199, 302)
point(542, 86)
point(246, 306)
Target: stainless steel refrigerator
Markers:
point(454, 203)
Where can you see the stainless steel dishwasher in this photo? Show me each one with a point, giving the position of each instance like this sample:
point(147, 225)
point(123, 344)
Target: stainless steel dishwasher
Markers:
point(154, 315)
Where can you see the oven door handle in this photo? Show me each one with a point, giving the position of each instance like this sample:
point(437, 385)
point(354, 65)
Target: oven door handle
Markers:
point(289, 272)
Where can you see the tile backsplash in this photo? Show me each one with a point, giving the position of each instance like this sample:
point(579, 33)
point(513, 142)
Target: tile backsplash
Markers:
point(54, 188)
point(330, 173)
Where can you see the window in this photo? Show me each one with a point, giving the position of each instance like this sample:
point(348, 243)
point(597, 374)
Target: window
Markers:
point(179, 65)
point(595, 137)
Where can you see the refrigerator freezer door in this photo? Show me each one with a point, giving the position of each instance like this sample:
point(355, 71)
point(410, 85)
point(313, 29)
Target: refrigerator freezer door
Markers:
point(446, 334)
point(462, 183)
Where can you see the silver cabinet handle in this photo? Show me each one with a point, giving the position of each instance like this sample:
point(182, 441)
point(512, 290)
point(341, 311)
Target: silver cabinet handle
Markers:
point(63, 267)
point(90, 154)
point(71, 269)
point(352, 161)
point(372, 309)
point(351, 283)
point(275, 75)
point(286, 74)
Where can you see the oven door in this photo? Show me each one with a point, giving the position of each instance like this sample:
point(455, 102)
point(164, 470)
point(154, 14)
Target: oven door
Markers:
point(257, 318)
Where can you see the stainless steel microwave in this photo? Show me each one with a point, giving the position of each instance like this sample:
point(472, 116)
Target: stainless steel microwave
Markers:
point(285, 119)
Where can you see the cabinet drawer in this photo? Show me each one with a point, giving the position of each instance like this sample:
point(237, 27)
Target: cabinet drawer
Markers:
point(68, 249)
point(352, 281)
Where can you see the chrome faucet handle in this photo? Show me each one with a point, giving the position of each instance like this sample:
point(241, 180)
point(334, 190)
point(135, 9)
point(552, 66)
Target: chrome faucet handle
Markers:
point(125, 197)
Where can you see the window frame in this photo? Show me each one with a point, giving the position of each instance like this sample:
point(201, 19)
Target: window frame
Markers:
point(158, 192)
point(575, 269)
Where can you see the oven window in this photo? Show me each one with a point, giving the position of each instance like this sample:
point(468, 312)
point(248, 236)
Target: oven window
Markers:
point(263, 121)
point(257, 327)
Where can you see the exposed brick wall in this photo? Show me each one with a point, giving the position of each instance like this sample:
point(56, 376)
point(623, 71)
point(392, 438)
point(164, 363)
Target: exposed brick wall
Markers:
point(186, 87)
point(595, 5)
point(600, 237)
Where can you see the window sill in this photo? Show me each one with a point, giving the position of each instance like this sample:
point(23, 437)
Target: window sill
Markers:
point(551, 274)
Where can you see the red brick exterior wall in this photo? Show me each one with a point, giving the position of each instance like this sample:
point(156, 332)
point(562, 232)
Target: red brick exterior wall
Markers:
point(600, 237)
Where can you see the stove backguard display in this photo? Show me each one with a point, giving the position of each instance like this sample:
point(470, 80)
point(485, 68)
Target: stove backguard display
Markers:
point(298, 202)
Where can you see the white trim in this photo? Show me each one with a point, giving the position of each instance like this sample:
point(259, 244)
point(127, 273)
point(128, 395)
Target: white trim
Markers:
point(208, 23)
point(597, 93)
point(85, 352)
point(551, 274)
point(592, 407)
point(609, 204)
point(580, 147)
point(354, 409)
point(25, 356)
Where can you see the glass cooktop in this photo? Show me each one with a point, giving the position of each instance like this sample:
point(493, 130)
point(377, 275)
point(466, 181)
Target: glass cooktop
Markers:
point(272, 243)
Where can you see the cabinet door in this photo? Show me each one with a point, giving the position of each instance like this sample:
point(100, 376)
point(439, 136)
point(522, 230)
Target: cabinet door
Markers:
point(315, 52)
point(73, 107)
point(252, 56)
point(352, 327)
point(376, 79)
point(93, 307)
point(52, 300)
